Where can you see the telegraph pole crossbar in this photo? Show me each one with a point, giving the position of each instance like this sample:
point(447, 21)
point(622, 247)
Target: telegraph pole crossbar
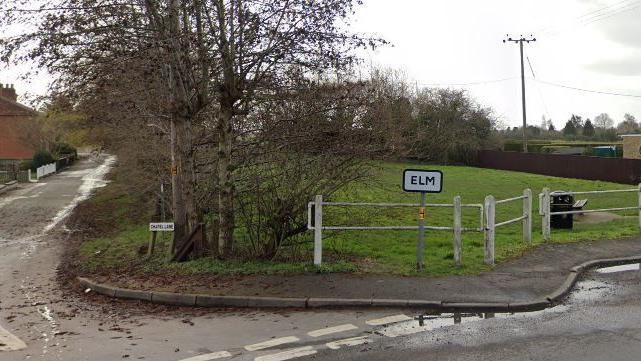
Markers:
point(520, 41)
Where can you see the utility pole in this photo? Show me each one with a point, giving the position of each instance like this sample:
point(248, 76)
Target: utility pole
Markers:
point(521, 40)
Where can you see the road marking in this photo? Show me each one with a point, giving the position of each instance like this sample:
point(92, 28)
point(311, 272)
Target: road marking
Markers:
point(9, 342)
point(287, 355)
point(209, 356)
point(393, 332)
point(354, 341)
point(271, 343)
point(330, 330)
point(388, 320)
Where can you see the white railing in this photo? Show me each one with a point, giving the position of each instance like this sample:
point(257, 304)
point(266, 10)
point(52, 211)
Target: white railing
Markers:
point(491, 225)
point(546, 213)
point(315, 222)
point(487, 218)
point(45, 170)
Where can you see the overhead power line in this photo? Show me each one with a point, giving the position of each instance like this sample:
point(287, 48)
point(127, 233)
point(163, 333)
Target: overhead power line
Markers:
point(538, 89)
point(470, 83)
point(587, 90)
point(597, 15)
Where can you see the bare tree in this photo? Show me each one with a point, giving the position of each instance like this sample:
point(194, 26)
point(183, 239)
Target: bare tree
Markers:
point(603, 121)
point(628, 125)
point(208, 64)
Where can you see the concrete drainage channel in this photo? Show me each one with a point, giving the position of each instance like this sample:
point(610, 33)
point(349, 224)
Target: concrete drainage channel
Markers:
point(198, 300)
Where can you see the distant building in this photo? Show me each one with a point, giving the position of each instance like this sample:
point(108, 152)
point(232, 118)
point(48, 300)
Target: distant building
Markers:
point(12, 116)
point(632, 146)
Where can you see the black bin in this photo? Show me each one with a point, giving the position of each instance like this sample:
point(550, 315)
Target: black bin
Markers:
point(561, 203)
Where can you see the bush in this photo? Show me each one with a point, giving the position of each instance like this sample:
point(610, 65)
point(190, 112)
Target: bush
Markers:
point(451, 127)
point(64, 149)
point(41, 158)
point(27, 164)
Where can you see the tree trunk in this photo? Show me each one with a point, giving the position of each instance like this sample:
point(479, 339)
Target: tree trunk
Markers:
point(225, 183)
point(182, 180)
point(189, 176)
point(178, 202)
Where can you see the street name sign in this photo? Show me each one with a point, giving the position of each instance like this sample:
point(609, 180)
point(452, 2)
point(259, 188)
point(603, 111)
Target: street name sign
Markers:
point(423, 181)
point(161, 227)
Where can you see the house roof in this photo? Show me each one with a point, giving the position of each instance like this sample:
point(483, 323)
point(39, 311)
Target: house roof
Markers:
point(10, 107)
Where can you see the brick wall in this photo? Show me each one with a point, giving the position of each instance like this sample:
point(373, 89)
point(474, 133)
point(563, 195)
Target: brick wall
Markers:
point(7, 91)
point(12, 117)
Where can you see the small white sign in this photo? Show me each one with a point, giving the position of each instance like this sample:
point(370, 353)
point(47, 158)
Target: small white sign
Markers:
point(427, 181)
point(161, 227)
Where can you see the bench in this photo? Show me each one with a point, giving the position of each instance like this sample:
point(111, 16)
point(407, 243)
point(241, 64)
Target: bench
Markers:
point(578, 205)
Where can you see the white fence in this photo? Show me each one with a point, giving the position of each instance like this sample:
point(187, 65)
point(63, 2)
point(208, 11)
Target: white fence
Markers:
point(491, 225)
point(487, 222)
point(487, 218)
point(43, 171)
point(546, 213)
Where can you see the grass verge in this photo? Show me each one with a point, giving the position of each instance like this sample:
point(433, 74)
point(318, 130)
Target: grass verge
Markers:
point(117, 231)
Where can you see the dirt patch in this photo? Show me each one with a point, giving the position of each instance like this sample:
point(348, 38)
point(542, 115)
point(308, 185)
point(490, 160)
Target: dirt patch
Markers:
point(596, 217)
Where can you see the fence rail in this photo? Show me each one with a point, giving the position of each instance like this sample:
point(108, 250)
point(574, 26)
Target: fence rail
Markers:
point(315, 222)
point(545, 202)
point(311, 205)
point(491, 225)
point(487, 218)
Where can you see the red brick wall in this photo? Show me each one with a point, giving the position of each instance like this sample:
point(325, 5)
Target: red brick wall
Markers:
point(11, 144)
point(8, 92)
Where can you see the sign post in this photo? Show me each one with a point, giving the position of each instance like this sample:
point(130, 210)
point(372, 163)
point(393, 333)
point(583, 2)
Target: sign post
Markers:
point(422, 181)
point(155, 227)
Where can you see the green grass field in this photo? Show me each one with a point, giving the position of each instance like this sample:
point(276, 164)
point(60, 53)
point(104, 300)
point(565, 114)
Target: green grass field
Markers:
point(395, 251)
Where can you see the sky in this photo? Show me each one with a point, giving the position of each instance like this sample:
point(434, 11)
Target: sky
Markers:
point(589, 44)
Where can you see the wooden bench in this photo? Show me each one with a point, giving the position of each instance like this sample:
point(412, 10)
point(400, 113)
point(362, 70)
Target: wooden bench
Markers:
point(578, 205)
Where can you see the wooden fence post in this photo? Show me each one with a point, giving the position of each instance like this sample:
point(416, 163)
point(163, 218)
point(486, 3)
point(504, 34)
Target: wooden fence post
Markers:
point(457, 231)
point(490, 209)
point(318, 230)
point(527, 213)
point(639, 205)
point(152, 243)
point(544, 207)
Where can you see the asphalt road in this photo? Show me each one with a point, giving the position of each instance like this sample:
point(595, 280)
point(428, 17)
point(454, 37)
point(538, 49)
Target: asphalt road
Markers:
point(601, 320)
point(40, 321)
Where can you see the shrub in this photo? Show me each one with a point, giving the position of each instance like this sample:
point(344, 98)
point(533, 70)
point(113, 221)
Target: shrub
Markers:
point(41, 158)
point(64, 149)
point(27, 164)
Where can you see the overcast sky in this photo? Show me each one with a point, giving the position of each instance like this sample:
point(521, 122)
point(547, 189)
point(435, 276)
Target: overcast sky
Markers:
point(460, 41)
point(591, 44)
